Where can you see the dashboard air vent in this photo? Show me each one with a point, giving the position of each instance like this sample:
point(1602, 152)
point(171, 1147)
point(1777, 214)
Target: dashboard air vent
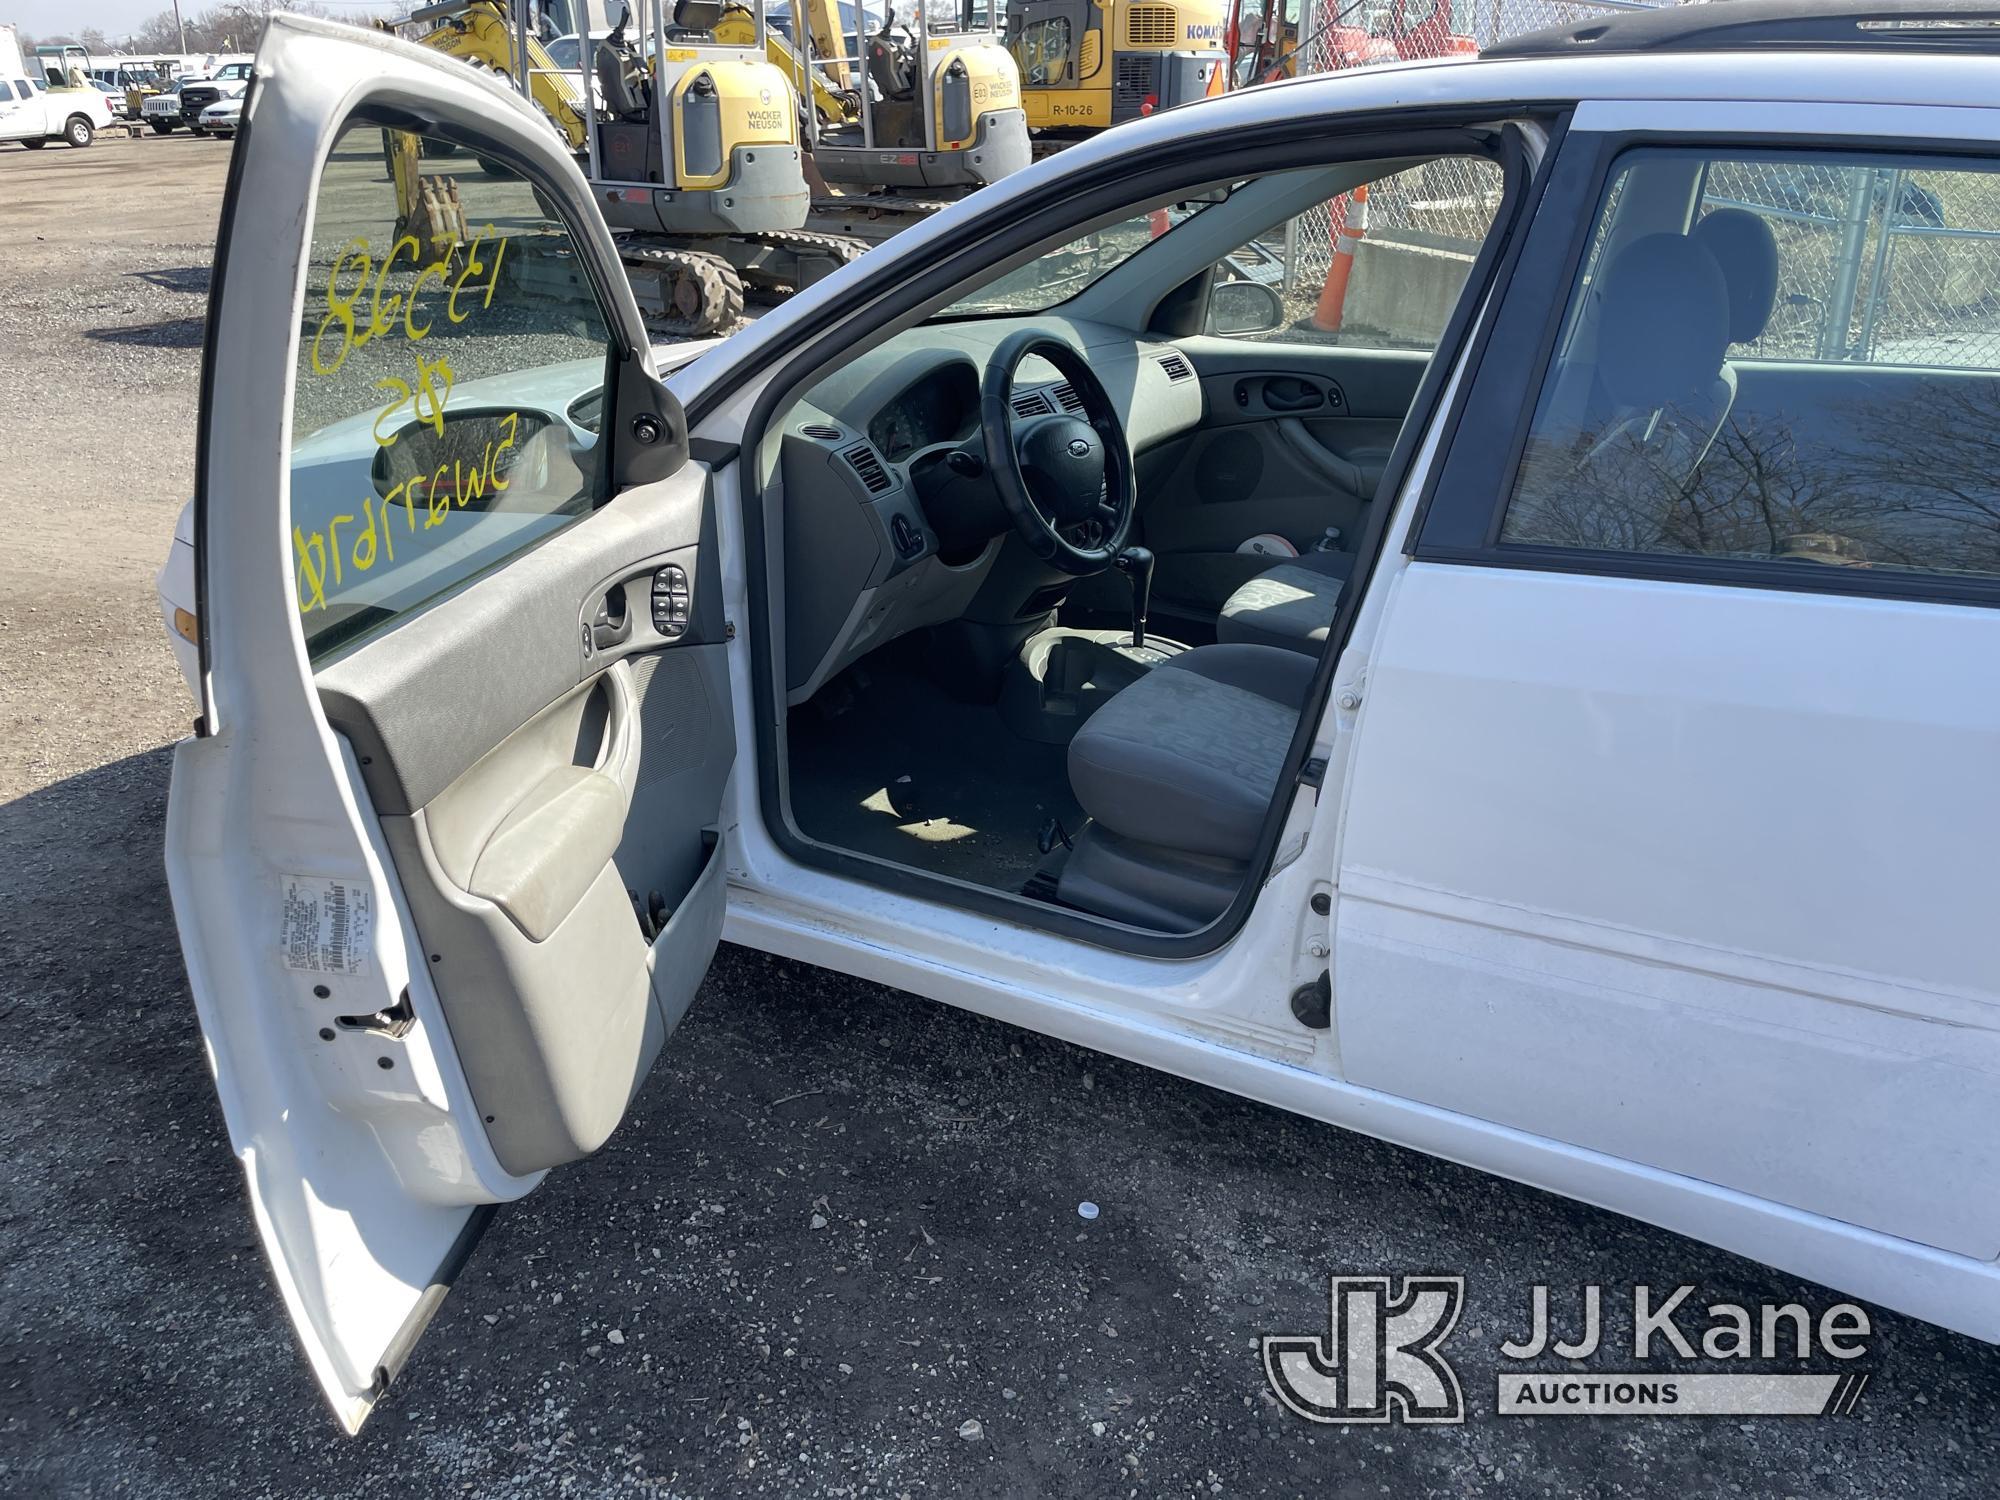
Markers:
point(1067, 398)
point(1176, 366)
point(821, 431)
point(1030, 404)
point(869, 468)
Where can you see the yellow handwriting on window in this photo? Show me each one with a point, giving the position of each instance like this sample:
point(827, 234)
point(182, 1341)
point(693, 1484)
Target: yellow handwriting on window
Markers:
point(355, 274)
point(350, 546)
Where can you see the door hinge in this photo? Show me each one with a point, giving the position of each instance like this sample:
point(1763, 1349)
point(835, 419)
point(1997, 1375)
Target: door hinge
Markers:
point(393, 1021)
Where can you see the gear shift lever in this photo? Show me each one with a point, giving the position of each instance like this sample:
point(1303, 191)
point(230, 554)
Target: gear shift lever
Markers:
point(1136, 563)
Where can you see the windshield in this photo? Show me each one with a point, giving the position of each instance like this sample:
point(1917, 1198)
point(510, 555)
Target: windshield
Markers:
point(1058, 275)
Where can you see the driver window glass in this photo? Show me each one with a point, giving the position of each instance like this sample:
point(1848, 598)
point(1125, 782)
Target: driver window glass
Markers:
point(1379, 268)
point(451, 364)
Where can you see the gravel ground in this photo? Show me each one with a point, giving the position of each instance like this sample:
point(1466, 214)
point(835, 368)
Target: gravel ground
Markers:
point(841, 1225)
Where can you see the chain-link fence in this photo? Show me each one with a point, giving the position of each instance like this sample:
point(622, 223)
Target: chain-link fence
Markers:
point(1888, 264)
point(1444, 205)
point(1882, 264)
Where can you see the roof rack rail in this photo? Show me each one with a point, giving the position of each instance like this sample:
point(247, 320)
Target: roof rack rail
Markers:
point(1775, 25)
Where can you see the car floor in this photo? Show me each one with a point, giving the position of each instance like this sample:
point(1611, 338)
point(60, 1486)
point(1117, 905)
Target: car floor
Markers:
point(885, 762)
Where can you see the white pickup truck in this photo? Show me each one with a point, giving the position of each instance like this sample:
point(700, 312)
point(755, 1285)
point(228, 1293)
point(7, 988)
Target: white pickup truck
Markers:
point(35, 114)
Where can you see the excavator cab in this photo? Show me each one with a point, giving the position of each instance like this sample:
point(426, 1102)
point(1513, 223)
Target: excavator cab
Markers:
point(621, 77)
point(694, 19)
point(491, 35)
point(938, 109)
point(65, 65)
point(891, 66)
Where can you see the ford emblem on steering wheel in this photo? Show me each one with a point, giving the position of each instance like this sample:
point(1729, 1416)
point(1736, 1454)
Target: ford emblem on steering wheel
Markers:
point(1079, 447)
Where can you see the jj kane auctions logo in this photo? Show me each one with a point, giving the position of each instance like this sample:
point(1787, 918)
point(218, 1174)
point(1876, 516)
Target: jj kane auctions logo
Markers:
point(1382, 1357)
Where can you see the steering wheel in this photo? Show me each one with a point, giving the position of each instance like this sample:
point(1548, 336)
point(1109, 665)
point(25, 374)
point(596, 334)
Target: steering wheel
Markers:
point(1065, 479)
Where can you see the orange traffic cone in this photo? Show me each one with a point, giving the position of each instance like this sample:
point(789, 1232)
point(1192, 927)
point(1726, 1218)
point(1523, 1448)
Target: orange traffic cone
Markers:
point(1348, 233)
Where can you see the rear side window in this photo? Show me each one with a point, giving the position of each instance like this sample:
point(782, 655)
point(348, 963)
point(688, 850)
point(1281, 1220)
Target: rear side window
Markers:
point(451, 362)
point(1786, 359)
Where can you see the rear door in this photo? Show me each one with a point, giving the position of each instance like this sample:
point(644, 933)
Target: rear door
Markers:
point(1671, 823)
point(444, 848)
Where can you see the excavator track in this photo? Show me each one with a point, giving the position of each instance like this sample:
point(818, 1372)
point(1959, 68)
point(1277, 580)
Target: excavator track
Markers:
point(688, 293)
point(871, 218)
point(802, 257)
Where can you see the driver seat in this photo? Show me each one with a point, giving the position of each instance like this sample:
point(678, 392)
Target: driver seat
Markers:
point(1176, 772)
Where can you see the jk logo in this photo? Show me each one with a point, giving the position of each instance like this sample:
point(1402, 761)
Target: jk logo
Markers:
point(1378, 1360)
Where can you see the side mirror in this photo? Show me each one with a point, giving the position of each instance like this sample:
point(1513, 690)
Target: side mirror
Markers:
point(1240, 308)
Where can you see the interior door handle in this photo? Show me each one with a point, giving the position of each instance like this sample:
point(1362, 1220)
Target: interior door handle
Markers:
point(612, 624)
point(1292, 395)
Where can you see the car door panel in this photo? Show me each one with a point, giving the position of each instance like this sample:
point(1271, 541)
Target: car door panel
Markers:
point(1668, 830)
point(402, 872)
point(1667, 903)
point(1294, 440)
point(518, 852)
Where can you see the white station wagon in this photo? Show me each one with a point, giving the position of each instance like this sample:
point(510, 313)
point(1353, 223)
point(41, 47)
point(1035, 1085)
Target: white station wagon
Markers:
point(1539, 704)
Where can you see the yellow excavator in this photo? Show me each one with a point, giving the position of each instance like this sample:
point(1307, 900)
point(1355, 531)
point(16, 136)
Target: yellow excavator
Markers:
point(482, 34)
point(690, 141)
point(1090, 64)
point(690, 120)
point(931, 107)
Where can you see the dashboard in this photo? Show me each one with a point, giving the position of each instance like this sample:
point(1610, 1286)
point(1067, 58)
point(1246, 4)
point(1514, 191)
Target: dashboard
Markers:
point(909, 547)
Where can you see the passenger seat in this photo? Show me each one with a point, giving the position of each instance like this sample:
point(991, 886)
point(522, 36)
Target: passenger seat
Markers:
point(1290, 605)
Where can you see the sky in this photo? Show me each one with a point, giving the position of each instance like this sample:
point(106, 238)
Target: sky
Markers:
point(116, 17)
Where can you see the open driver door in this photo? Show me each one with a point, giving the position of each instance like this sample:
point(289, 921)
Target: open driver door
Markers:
point(444, 850)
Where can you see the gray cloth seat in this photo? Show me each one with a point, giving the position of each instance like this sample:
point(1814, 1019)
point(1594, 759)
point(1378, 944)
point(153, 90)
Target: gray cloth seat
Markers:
point(1188, 757)
point(1290, 605)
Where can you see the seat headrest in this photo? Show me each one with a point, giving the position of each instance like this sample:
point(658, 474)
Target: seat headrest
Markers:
point(1663, 322)
point(697, 15)
point(1747, 251)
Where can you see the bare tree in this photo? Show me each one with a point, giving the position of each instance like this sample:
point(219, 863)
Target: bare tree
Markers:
point(231, 27)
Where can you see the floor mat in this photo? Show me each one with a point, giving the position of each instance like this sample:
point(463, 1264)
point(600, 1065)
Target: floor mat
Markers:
point(906, 773)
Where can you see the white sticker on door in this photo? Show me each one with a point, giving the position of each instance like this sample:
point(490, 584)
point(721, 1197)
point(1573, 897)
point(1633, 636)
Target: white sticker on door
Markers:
point(326, 925)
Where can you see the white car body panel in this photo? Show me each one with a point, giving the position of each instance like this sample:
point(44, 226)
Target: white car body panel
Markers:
point(177, 593)
point(1593, 882)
